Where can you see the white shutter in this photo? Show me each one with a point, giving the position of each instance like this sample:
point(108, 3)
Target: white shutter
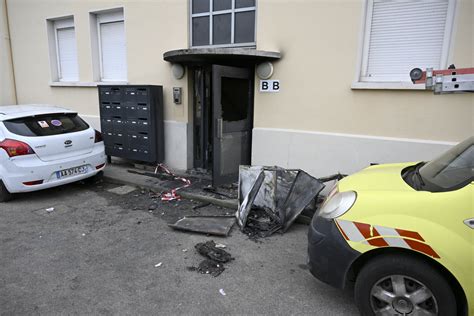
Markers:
point(404, 34)
point(113, 51)
point(67, 54)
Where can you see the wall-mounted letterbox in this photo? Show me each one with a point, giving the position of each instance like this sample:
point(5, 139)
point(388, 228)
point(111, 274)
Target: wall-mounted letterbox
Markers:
point(132, 122)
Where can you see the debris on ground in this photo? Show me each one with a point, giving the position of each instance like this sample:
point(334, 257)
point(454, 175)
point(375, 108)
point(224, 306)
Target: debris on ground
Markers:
point(209, 249)
point(211, 267)
point(220, 246)
point(123, 190)
point(222, 292)
point(172, 195)
point(195, 207)
point(271, 198)
point(261, 224)
point(50, 209)
point(214, 190)
point(200, 183)
point(216, 257)
point(213, 225)
point(158, 264)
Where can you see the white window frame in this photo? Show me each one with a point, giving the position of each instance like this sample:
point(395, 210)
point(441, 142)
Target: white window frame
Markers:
point(96, 19)
point(53, 25)
point(361, 82)
point(211, 14)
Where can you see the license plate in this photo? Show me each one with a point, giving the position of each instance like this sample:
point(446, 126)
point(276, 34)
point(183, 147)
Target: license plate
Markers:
point(71, 172)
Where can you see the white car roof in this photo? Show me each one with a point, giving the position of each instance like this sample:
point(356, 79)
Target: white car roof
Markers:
point(15, 111)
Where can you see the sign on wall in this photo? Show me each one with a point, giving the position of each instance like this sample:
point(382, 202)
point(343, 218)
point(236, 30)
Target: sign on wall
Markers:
point(269, 85)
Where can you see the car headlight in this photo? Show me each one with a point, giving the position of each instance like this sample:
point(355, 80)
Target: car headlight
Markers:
point(337, 204)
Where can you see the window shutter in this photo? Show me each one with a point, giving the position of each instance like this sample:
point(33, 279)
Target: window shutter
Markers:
point(112, 37)
point(67, 54)
point(404, 34)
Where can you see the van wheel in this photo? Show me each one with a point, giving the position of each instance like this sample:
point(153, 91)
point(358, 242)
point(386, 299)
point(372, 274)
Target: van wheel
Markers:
point(4, 194)
point(403, 285)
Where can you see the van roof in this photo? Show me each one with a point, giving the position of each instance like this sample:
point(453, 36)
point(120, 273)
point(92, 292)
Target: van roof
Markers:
point(16, 111)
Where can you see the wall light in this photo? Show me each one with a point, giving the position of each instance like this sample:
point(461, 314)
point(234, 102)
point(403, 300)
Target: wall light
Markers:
point(177, 70)
point(265, 70)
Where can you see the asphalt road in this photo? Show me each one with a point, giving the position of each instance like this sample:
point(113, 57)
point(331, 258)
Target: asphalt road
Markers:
point(96, 252)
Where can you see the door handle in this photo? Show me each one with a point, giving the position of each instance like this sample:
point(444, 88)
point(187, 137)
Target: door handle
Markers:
point(219, 128)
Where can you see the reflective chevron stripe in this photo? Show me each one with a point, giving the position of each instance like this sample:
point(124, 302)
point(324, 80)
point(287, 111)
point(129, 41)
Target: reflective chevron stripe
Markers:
point(381, 236)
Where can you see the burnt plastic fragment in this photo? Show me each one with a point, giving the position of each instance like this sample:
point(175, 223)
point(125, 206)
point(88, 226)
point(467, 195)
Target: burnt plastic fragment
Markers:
point(211, 267)
point(208, 249)
point(216, 257)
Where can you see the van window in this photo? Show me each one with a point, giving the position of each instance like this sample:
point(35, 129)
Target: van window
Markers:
point(46, 124)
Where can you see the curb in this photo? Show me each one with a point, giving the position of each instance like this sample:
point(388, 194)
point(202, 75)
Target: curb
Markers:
point(231, 204)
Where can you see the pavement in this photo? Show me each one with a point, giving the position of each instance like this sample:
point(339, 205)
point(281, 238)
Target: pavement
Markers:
point(97, 253)
point(125, 174)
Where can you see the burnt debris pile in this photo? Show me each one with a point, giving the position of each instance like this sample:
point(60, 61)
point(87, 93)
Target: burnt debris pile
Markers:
point(216, 257)
point(271, 198)
point(261, 223)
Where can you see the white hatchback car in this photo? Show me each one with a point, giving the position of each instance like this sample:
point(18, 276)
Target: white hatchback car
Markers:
point(44, 146)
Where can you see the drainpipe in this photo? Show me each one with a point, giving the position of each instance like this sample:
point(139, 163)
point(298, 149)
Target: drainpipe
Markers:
point(9, 50)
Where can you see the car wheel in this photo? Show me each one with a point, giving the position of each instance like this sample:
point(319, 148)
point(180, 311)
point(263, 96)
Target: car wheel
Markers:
point(4, 194)
point(402, 285)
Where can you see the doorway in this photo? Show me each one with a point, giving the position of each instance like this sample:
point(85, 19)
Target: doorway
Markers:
point(223, 120)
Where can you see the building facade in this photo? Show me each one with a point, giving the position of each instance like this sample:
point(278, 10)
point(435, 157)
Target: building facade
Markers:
point(338, 70)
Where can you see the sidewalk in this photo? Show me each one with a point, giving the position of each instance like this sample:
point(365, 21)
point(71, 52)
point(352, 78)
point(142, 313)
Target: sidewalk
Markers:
point(126, 174)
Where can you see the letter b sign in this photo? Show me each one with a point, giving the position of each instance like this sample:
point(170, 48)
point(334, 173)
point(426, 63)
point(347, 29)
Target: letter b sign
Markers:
point(269, 85)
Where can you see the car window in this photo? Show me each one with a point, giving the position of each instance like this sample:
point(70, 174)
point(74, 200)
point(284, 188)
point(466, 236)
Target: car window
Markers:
point(46, 124)
point(452, 169)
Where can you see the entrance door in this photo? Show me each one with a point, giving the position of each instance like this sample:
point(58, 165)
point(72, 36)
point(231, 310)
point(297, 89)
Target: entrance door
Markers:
point(232, 98)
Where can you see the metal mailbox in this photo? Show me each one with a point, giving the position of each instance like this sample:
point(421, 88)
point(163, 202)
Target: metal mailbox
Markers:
point(132, 122)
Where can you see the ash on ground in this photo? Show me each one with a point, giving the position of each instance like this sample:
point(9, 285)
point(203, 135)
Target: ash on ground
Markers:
point(216, 257)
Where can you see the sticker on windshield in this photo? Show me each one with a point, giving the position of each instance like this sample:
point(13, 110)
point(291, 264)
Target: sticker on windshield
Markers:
point(56, 123)
point(43, 124)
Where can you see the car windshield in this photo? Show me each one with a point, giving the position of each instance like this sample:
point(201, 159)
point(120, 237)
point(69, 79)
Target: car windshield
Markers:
point(452, 169)
point(46, 124)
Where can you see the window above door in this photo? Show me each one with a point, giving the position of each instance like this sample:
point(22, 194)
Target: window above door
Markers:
point(222, 23)
point(400, 35)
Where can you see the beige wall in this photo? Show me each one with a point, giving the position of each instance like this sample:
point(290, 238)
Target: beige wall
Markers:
point(152, 27)
point(7, 80)
point(320, 41)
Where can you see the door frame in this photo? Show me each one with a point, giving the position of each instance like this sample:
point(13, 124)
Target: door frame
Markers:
point(218, 126)
point(205, 98)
